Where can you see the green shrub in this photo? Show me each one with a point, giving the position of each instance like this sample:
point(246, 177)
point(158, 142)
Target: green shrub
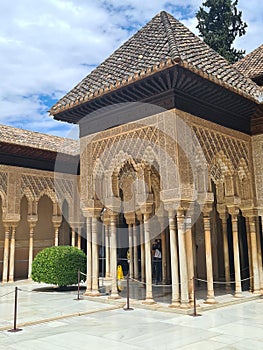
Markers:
point(59, 265)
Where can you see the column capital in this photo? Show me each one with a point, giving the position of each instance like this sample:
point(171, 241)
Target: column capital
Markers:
point(130, 218)
point(32, 220)
point(233, 211)
point(251, 212)
point(56, 219)
point(223, 215)
point(12, 224)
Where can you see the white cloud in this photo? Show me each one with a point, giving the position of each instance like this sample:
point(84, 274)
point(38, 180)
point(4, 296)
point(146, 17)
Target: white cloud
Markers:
point(48, 46)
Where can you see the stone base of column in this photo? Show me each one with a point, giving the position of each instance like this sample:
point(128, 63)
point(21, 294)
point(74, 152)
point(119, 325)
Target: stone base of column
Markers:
point(185, 305)
point(4, 281)
point(238, 295)
point(192, 304)
point(93, 293)
point(257, 291)
point(174, 304)
point(149, 301)
point(114, 296)
point(210, 300)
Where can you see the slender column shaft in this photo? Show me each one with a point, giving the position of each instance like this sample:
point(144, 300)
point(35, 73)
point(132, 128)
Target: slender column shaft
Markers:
point(182, 259)
point(135, 250)
point(190, 258)
point(89, 255)
point(12, 255)
point(113, 253)
point(238, 288)
point(142, 252)
point(30, 251)
point(209, 260)
point(226, 252)
point(107, 238)
point(79, 238)
point(130, 232)
point(56, 236)
point(95, 256)
point(148, 261)
point(6, 255)
point(250, 261)
point(254, 259)
point(174, 261)
point(73, 237)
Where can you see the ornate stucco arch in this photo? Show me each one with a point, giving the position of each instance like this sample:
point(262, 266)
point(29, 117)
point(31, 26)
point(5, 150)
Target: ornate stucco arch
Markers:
point(221, 172)
point(4, 202)
point(243, 180)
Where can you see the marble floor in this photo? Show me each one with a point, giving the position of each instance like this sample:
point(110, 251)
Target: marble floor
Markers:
point(102, 325)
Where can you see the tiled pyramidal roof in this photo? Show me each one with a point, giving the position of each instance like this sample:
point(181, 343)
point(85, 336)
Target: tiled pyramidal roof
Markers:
point(161, 43)
point(252, 64)
point(37, 140)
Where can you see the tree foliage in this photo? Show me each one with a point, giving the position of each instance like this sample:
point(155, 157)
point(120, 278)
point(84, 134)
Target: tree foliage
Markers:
point(59, 265)
point(220, 25)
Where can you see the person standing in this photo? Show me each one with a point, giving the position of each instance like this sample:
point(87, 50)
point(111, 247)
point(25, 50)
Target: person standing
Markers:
point(157, 261)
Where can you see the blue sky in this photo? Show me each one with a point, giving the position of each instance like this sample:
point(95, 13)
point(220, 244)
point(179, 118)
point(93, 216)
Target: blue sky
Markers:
point(48, 46)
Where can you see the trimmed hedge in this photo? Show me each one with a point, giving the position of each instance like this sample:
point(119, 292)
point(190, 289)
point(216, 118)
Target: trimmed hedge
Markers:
point(59, 265)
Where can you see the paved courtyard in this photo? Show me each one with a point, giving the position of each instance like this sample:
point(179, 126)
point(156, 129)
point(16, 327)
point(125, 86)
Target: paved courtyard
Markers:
point(55, 320)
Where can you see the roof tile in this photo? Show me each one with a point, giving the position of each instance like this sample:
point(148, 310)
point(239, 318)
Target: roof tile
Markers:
point(164, 40)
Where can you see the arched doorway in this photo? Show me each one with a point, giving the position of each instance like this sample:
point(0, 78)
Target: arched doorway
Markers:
point(44, 230)
point(64, 229)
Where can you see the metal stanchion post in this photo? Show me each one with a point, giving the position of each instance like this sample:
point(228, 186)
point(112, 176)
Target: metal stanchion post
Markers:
point(15, 315)
point(127, 308)
point(195, 314)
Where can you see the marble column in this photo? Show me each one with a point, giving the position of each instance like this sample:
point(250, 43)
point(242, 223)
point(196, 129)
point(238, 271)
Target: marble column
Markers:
point(238, 288)
point(56, 236)
point(208, 258)
point(164, 255)
point(79, 237)
point(130, 232)
point(190, 257)
point(113, 261)
point(95, 257)
point(249, 248)
point(142, 252)
point(56, 219)
point(6, 255)
point(107, 250)
point(223, 218)
point(182, 259)
point(73, 237)
point(135, 252)
point(148, 261)
point(12, 254)
point(174, 260)
point(30, 250)
point(254, 259)
point(89, 256)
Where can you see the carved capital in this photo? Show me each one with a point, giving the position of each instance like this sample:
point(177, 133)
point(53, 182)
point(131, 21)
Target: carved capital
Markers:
point(32, 220)
point(56, 219)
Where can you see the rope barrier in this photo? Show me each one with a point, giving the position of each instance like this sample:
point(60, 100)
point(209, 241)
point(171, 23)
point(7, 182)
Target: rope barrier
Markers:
point(221, 282)
point(1, 296)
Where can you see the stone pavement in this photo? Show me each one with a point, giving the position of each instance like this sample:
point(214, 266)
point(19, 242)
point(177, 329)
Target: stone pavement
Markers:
point(55, 320)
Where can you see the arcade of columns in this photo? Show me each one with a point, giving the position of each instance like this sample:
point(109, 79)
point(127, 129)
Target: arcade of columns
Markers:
point(114, 165)
point(42, 226)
